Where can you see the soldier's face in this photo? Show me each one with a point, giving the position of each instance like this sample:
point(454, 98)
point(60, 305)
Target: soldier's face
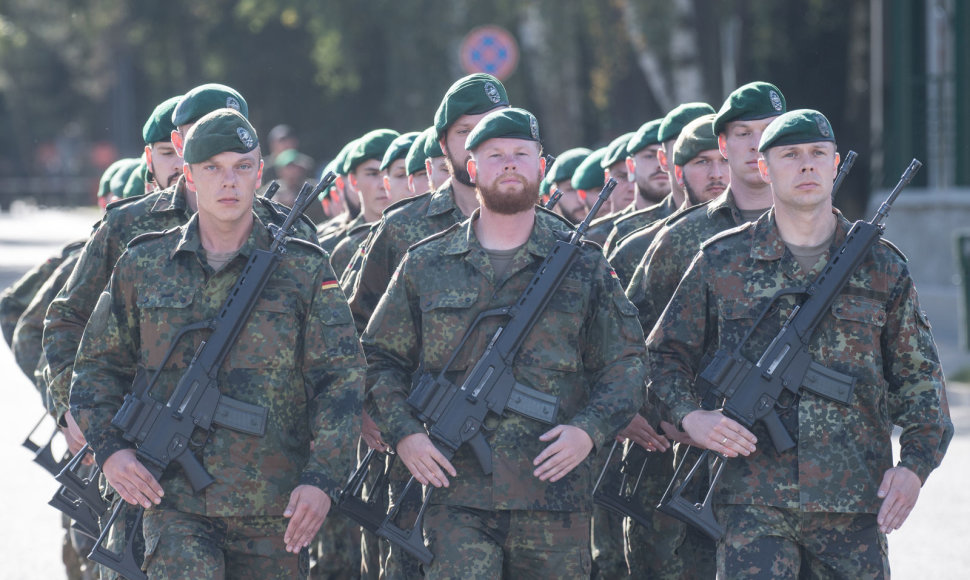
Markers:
point(225, 185)
point(652, 181)
point(165, 164)
point(438, 171)
point(454, 146)
point(570, 205)
point(507, 173)
point(704, 177)
point(739, 144)
point(801, 175)
point(369, 183)
point(625, 190)
point(396, 181)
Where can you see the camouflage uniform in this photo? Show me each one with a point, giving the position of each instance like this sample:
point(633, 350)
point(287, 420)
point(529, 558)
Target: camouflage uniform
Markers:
point(586, 349)
point(123, 221)
point(625, 225)
point(877, 334)
point(329, 240)
point(629, 252)
point(15, 298)
point(348, 248)
point(298, 357)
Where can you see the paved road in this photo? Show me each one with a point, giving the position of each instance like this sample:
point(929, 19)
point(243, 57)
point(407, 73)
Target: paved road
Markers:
point(933, 544)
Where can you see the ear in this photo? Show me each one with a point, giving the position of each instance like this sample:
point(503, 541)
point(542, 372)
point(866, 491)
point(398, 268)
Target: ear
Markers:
point(411, 183)
point(542, 167)
point(387, 184)
point(148, 158)
point(662, 158)
point(472, 169)
point(631, 165)
point(838, 158)
point(352, 178)
point(178, 142)
point(189, 180)
point(679, 175)
point(763, 168)
point(259, 176)
point(722, 145)
point(581, 193)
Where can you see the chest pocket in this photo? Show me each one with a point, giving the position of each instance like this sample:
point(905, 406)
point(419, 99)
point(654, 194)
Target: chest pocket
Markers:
point(554, 342)
point(269, 339)
point(163, 314)
point(445, 317)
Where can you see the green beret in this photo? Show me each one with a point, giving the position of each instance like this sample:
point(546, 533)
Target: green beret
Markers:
point(414, 160)
point(292, 156)
point(616, 151)
point(120, 178)
point(696, 137)
point(750, 102)
point(589, 175)
point(204, 99)
point(104, 185)
point(471, 95)
point(372, 145)
point(338, 161)
point(327, 169)
point(544, 185)
point(398, 149)
point(159, 126)
point(798, 126)
point(432, 148)
point(136, 181)
point(505, 123)
point(645, 135)
point(217, 132)
point(565, 165)
point(678, 117)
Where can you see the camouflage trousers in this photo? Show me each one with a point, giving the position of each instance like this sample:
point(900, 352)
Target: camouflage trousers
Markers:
point(770, 542)
point(470, 543)
point(180, 545)
point(606, 543)
point(668, 549)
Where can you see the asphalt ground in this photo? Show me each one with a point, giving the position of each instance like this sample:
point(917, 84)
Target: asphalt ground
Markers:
point(933, 544)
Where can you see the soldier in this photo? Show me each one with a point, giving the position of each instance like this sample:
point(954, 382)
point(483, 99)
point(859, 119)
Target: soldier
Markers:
point(588, 179)
point(571, 206)
point(531, 516)
point(623, 199)
point(340, 195)
point(292, 169)
point(418, 177)
point(395, 168)
point(824, 507)
point(436, 162)
point(298, 357)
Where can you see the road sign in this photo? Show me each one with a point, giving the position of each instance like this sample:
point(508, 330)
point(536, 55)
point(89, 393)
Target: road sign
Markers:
point(490, 49)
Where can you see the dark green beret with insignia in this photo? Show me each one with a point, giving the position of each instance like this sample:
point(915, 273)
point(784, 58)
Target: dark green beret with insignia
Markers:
point(678, 117)
point(414, 160)
point(471, 95)
point(104, 185)
point(696, 137)
point(757, 100)
point(398, 149)
point(798, 126)
point(616, 150)
point(646, 135)
point(159, 126)
point(589, 174)
point(565, 165)
point(511, 123)
point(204, 99)
point(432, 147)
point(120, 178)
point(217, 132)
point(371, 145)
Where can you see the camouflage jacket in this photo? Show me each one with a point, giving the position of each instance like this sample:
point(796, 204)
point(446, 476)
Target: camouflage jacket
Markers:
point(15, 298)
point(586, 348)
point(122, 222)
point(402, 226)
point(329, 240)
point(348, 256)
point(876, 333)
point(625, 225)
point(28, 346)
point(298, 356)
point(629, 251)
point(672, 249)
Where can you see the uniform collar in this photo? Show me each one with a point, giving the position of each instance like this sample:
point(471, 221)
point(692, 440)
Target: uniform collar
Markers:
point(463, 240)
point(172, 198)
point(766, 242)
point(442, 200)
point(191, 241)
point(725, 203)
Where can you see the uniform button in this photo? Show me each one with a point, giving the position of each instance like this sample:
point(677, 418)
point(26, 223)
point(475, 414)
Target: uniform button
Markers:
point(467, 300)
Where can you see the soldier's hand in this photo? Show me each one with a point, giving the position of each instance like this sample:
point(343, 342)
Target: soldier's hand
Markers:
point(899, 490)
point(75, 437)
point(712, 430)
point(132, 479)
point(424, 461)
point(308, 507)
point(570, 448)
point(372, 435)
point(640, 432)
point(675, 434)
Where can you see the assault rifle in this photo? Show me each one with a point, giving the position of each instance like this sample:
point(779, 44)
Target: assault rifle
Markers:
point(454, 414)
point(553, 200)
point(44, 452)
point(163, 432)
point(751, 392)
point(617, 487)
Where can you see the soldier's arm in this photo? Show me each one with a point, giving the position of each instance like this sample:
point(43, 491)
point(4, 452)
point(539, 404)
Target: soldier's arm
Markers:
point(375, 274)
point(15, 299)
point(333, 371)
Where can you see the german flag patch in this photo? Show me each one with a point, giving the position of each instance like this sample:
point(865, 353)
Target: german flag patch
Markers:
point(613, 274)
point(328, 284)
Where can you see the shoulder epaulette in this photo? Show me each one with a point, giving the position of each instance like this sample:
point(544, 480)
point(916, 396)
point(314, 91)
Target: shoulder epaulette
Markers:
point(281, 211)
point(122, 202)
point(406, 201)
point(726, 234)
point(550, 213)
point(680, 213)
point(894, 248)
point(433, 237)
point(307, 244)
point(362, 227)
point(139, 239)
